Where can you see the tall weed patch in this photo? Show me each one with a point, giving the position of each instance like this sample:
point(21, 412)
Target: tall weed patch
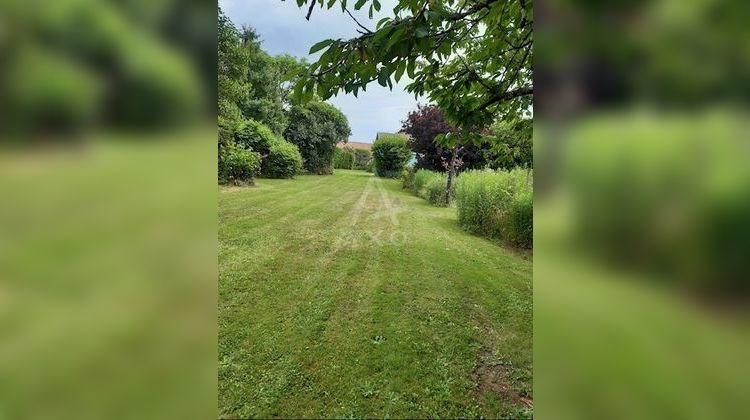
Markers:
point(423, 177)
point(498, 204)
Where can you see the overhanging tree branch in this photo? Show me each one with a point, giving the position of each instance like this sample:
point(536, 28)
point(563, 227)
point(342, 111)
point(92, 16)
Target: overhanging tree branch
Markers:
point(508, 95)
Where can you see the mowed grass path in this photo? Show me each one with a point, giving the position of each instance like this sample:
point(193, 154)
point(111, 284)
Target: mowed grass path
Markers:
point(345, 296)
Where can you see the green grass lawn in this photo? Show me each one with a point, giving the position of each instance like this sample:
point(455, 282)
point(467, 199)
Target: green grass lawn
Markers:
point(345, 296)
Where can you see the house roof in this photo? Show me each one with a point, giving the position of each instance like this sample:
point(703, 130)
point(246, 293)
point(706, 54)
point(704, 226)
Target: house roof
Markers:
point(354, 145)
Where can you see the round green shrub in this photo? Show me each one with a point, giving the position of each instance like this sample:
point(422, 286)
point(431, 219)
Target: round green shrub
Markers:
point(237, 164)
point(49, 91)
point(283, 160)
point(390, 156)
point(254, 135)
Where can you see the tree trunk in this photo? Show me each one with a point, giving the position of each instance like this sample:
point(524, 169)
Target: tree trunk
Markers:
point(451, 176)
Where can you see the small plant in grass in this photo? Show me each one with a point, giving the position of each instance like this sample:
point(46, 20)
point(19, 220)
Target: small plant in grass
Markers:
point(237, 164)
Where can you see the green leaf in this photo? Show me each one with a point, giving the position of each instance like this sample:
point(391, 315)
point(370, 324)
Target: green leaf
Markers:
point(383, 78)
point(376, 3)
point(331, 3)
point(297, 92)
point(382, 22)
point(410, 68)
point(359, 4)
point(400, 70)
point(320, 45)
point(370, 12)
point(422, 31)
point(396, 36)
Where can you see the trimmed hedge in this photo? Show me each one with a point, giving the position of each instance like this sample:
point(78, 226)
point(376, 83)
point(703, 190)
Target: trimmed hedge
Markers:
point(498, 204)
point(237, 164)
point(390, 156)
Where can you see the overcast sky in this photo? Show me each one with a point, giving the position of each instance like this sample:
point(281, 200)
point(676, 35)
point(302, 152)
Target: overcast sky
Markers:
point(284, 30)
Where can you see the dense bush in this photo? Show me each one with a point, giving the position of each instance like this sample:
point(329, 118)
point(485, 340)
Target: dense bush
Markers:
point(254, 135)
point(316, 128)
point(667, 195)
point(343, 158)
point(283, 160)
point(362, 160)
point(66, 99)
point(237, 164)
point(390, 155)
point(498, 204)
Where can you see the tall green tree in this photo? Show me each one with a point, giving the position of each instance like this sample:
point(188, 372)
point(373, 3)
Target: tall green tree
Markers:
point(232, 65)
point(269, 81)
point(315, 128)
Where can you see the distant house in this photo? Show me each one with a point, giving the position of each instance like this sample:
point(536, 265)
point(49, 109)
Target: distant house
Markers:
point(355, 145)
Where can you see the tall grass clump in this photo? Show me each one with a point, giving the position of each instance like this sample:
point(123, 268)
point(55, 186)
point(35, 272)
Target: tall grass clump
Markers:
point(498, 204)
point(427, 184)
point(434, 191)
point(407, 178)
point(423, 177)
